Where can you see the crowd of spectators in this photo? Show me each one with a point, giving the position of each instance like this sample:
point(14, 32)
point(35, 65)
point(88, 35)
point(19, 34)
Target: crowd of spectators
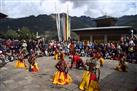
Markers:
point(127, 46)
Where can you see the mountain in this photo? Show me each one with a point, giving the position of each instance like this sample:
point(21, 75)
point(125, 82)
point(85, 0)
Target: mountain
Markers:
point(44, 23)
point(82, 22)
point(40, 23)
point(128, 21)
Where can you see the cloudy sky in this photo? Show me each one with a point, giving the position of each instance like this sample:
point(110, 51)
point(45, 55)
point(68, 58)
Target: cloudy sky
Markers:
point(92, 8)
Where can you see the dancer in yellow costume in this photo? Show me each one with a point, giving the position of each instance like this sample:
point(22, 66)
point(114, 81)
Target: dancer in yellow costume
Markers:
point(101, 60)
point(20, 63)
point(56, 54)
point(122, 65)
point(90, 80)
point(61, 77)
point(33, 65)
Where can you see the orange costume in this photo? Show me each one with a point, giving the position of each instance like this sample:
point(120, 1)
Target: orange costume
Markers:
point(33, 65)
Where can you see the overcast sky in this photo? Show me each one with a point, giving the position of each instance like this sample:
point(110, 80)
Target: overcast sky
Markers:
point(92, 8)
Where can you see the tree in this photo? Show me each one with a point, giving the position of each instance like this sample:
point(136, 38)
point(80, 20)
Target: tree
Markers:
point(11, 34)
point(51, 35)
point(25, 33)
point(74, 36)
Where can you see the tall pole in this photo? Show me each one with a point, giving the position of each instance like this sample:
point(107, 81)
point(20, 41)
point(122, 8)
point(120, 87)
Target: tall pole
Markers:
point(59, 31)
point(57, 15)
point(68, 24)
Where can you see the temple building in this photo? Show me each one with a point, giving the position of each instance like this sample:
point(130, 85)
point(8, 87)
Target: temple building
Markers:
point(105, 31)
point(2, 16)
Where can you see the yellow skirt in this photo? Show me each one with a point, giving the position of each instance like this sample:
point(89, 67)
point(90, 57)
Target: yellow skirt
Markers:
point(56, 56)
point(61, 78)
point(20, 64)
point(102, 61)
point(88, 86)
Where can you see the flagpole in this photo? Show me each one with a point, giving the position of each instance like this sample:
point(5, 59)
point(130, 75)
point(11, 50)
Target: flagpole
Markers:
point(64, 27)
point(68, 24)
point(65, 22)
point(60, 39)
point(57, 22)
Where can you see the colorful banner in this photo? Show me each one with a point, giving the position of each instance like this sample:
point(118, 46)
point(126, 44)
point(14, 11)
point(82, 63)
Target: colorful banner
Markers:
point(63, 27)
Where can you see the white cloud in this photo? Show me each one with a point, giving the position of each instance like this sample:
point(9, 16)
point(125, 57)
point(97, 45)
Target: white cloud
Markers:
point(93, 8)
point(112, 8)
